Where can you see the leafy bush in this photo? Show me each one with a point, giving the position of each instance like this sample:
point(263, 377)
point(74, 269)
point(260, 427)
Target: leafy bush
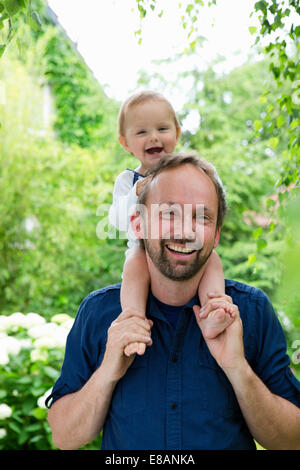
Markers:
point(31, 354)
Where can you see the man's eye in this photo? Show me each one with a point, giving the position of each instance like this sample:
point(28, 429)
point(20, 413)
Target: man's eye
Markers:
point(170, 214)
point(201, 219)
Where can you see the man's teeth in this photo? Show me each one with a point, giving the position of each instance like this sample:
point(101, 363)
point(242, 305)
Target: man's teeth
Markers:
point(180, 249)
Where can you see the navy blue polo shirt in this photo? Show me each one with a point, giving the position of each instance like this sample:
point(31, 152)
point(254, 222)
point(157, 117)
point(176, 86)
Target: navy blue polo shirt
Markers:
point(175, 396)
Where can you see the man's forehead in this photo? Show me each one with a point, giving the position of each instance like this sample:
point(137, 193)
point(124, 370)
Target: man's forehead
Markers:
point(182, 184)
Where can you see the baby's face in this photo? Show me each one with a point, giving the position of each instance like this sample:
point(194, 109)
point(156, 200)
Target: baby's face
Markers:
point(150, 132)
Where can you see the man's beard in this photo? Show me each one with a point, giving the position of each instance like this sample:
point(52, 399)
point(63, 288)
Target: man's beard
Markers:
point(162, 262)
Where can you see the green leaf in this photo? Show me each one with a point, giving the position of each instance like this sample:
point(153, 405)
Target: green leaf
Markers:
point(280, 121)
point(257, 125)
point(34, 21)
point(2, 49)
point(13, 6)
point(257, 233)
point(51, 372)
point(271, 226)
point(260, 6)
point(261, 244)
point(270, 203)
point(273, 142)
point(39, 413)
point(251, 259)
point(252, 29)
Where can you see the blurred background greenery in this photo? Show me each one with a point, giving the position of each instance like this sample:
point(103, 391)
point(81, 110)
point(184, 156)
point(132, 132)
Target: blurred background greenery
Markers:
point(59, 158)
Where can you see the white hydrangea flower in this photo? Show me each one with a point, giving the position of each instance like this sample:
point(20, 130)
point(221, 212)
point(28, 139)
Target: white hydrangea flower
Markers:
point(5, 411)
point(4, 358)
point(4, 323)
point(42, 399)
point(47, 329)
point(25, 343)
point(68, 324)
point(34, 319)
point(10, 345)
point(17, 319)
point(61, 318)
point(2, 433)
point(38, 355)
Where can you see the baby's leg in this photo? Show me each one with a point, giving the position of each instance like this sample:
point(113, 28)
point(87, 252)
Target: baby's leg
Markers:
point(212, 280)
point(215, 318)
point(211, 285)
point(135, 289)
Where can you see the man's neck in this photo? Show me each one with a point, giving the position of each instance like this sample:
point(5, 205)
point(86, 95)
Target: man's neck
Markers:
point(173, 292)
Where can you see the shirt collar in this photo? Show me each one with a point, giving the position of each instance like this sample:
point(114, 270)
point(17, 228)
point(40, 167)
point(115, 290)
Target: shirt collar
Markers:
point(153, 308)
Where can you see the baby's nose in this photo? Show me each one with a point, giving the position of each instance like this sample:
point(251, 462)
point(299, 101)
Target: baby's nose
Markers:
point(154, 135)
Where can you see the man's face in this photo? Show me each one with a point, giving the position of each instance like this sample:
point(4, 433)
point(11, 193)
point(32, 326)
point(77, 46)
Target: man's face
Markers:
point(182, 210)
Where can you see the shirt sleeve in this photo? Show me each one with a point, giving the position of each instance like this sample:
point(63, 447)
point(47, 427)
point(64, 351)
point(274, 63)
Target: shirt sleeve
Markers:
point(82, 355)
point(272, 363)
point(124, 201)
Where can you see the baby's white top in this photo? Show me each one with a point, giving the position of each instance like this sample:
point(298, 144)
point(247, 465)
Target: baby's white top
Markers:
point(124, 202)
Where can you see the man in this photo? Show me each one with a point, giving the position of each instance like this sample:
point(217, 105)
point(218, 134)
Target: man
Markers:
point(186, 391)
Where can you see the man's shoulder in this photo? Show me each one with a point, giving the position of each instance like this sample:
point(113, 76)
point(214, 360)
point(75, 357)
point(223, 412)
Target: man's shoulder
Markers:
point(240, 290)
point(101, 301)
point(110, 291)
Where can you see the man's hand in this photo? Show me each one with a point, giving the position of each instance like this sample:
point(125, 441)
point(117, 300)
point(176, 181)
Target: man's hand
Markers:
point(128, 328)
point(227, 348)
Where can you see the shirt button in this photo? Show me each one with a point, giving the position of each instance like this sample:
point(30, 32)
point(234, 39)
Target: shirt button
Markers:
point(174, 406)
point(174, 358)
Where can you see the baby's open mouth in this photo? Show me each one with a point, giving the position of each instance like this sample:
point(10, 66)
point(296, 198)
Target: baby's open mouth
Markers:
point(154, 150)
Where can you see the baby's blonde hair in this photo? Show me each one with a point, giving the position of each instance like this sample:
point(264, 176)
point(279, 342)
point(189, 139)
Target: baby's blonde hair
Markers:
point(141, 97)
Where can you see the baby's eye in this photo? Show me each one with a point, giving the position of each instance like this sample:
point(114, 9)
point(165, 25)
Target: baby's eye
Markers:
point(142, 131)
point(163, 129)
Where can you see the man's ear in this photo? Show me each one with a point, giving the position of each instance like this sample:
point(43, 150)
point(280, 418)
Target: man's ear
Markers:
point(136, 225)
point(217, 237)
point(123, 142)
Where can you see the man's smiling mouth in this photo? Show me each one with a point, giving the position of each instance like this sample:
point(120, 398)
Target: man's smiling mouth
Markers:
point(180, 249)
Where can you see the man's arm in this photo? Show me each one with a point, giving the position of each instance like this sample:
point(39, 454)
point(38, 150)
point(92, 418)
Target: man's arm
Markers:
point(78, 417)
point(273, 421)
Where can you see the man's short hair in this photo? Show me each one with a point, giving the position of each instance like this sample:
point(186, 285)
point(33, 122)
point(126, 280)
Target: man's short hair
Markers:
point(141, 97)
point(175, 161)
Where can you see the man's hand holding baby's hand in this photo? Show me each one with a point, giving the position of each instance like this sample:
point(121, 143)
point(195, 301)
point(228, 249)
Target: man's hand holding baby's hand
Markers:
point(128, 328)
point(216, 315)
point(222, 329)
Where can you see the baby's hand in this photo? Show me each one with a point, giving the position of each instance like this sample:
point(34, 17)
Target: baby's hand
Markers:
point(137, 348)
point(141, 184)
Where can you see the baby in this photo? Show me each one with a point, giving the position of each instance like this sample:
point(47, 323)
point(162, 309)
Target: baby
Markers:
point(149, 129)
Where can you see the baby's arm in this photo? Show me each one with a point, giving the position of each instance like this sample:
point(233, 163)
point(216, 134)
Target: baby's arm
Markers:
point(135, 289)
